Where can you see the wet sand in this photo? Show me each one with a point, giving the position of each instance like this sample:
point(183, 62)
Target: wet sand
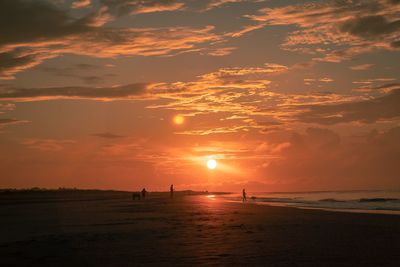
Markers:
point(109, 229)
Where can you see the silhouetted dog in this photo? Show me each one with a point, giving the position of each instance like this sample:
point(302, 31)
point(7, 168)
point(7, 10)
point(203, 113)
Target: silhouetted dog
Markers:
point(136, 196)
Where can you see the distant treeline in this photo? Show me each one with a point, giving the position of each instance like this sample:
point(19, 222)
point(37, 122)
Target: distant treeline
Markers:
point(60, 189)
point(74, 189)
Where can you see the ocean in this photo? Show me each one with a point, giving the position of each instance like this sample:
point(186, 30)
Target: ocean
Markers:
point(371, 201)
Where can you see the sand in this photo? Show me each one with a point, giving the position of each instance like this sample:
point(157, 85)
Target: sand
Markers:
point(109, 229)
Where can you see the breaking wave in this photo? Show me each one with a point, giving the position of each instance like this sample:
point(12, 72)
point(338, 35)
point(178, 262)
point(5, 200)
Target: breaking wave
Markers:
point(360, 201)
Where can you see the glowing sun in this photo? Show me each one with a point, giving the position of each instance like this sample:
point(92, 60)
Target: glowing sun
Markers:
point(211, 164)
point(178, 119)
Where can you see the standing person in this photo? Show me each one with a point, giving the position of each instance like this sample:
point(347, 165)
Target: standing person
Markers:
point(244, 195)
point(144, 193)
point(171, 190)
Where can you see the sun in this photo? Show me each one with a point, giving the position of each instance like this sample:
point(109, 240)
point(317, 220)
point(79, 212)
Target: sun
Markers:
point(211, 164)
point(179, 119)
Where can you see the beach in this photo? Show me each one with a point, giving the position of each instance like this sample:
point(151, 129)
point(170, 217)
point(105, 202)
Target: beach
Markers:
point(95, 228)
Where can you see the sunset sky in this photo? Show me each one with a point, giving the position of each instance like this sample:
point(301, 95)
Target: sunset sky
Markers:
point(284, 95)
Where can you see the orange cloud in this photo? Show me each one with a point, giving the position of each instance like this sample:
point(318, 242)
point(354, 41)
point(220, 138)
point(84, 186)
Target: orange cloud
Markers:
point(8, 121)
point(159, 7)
point(47, 32)
point(361, 67)
point(6, 107)
point(219, 52)
point(81, 3)
point(321, 159)
point(336, 31)
point(218, 3)
point(371, 110)
point(105, 43)
point(51, 145)
point(124, 7)
point(246, 29)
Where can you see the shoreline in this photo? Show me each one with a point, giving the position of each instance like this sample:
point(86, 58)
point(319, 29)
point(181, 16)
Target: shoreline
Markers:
point(361, 211)
point(40, 195)
point(283, 205)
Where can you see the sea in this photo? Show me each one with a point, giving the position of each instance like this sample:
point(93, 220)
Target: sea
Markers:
point(366, 201)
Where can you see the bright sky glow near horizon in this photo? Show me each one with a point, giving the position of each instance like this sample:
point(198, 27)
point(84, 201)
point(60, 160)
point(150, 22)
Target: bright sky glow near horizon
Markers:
point(118, 94)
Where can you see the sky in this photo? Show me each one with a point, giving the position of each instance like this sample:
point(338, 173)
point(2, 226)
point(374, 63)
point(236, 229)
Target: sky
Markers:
point(124, 94)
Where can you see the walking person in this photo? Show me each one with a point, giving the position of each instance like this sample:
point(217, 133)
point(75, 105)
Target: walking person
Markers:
point(244, 195)
point(171, 190)
point(144, 193)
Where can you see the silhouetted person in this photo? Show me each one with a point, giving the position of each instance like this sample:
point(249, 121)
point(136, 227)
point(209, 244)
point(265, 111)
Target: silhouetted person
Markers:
point(244, 195)
point(171, 190)
point(144, 193)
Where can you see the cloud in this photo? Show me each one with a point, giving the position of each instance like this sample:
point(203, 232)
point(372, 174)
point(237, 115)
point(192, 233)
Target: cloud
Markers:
point(368, 111)
point(4, 122)
point(243, 72)
point(246, 29)
point(107, 135)
point(375, 80)
point(236, 90)
point(129, 91)
point(7, 121)
point(81, 3)
point(245, 78)
point(124, 7)
point(34, 21)
point(320, 159)
point(15, 61)
point(245, 95)
point(6, 107)
point(337, 30)
point(37, 24)
point(144, 41)
point(370, 26)
point(224, 78)
point(104, 43)
point(52, 145)
point(309, 81)
point(42, 32)
point(219, 52)
point(240, 93)
point(381, 85)
point(76, 70)
point(388, 87)
point(361, 67)
point(218, 3)
point(218, 130)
